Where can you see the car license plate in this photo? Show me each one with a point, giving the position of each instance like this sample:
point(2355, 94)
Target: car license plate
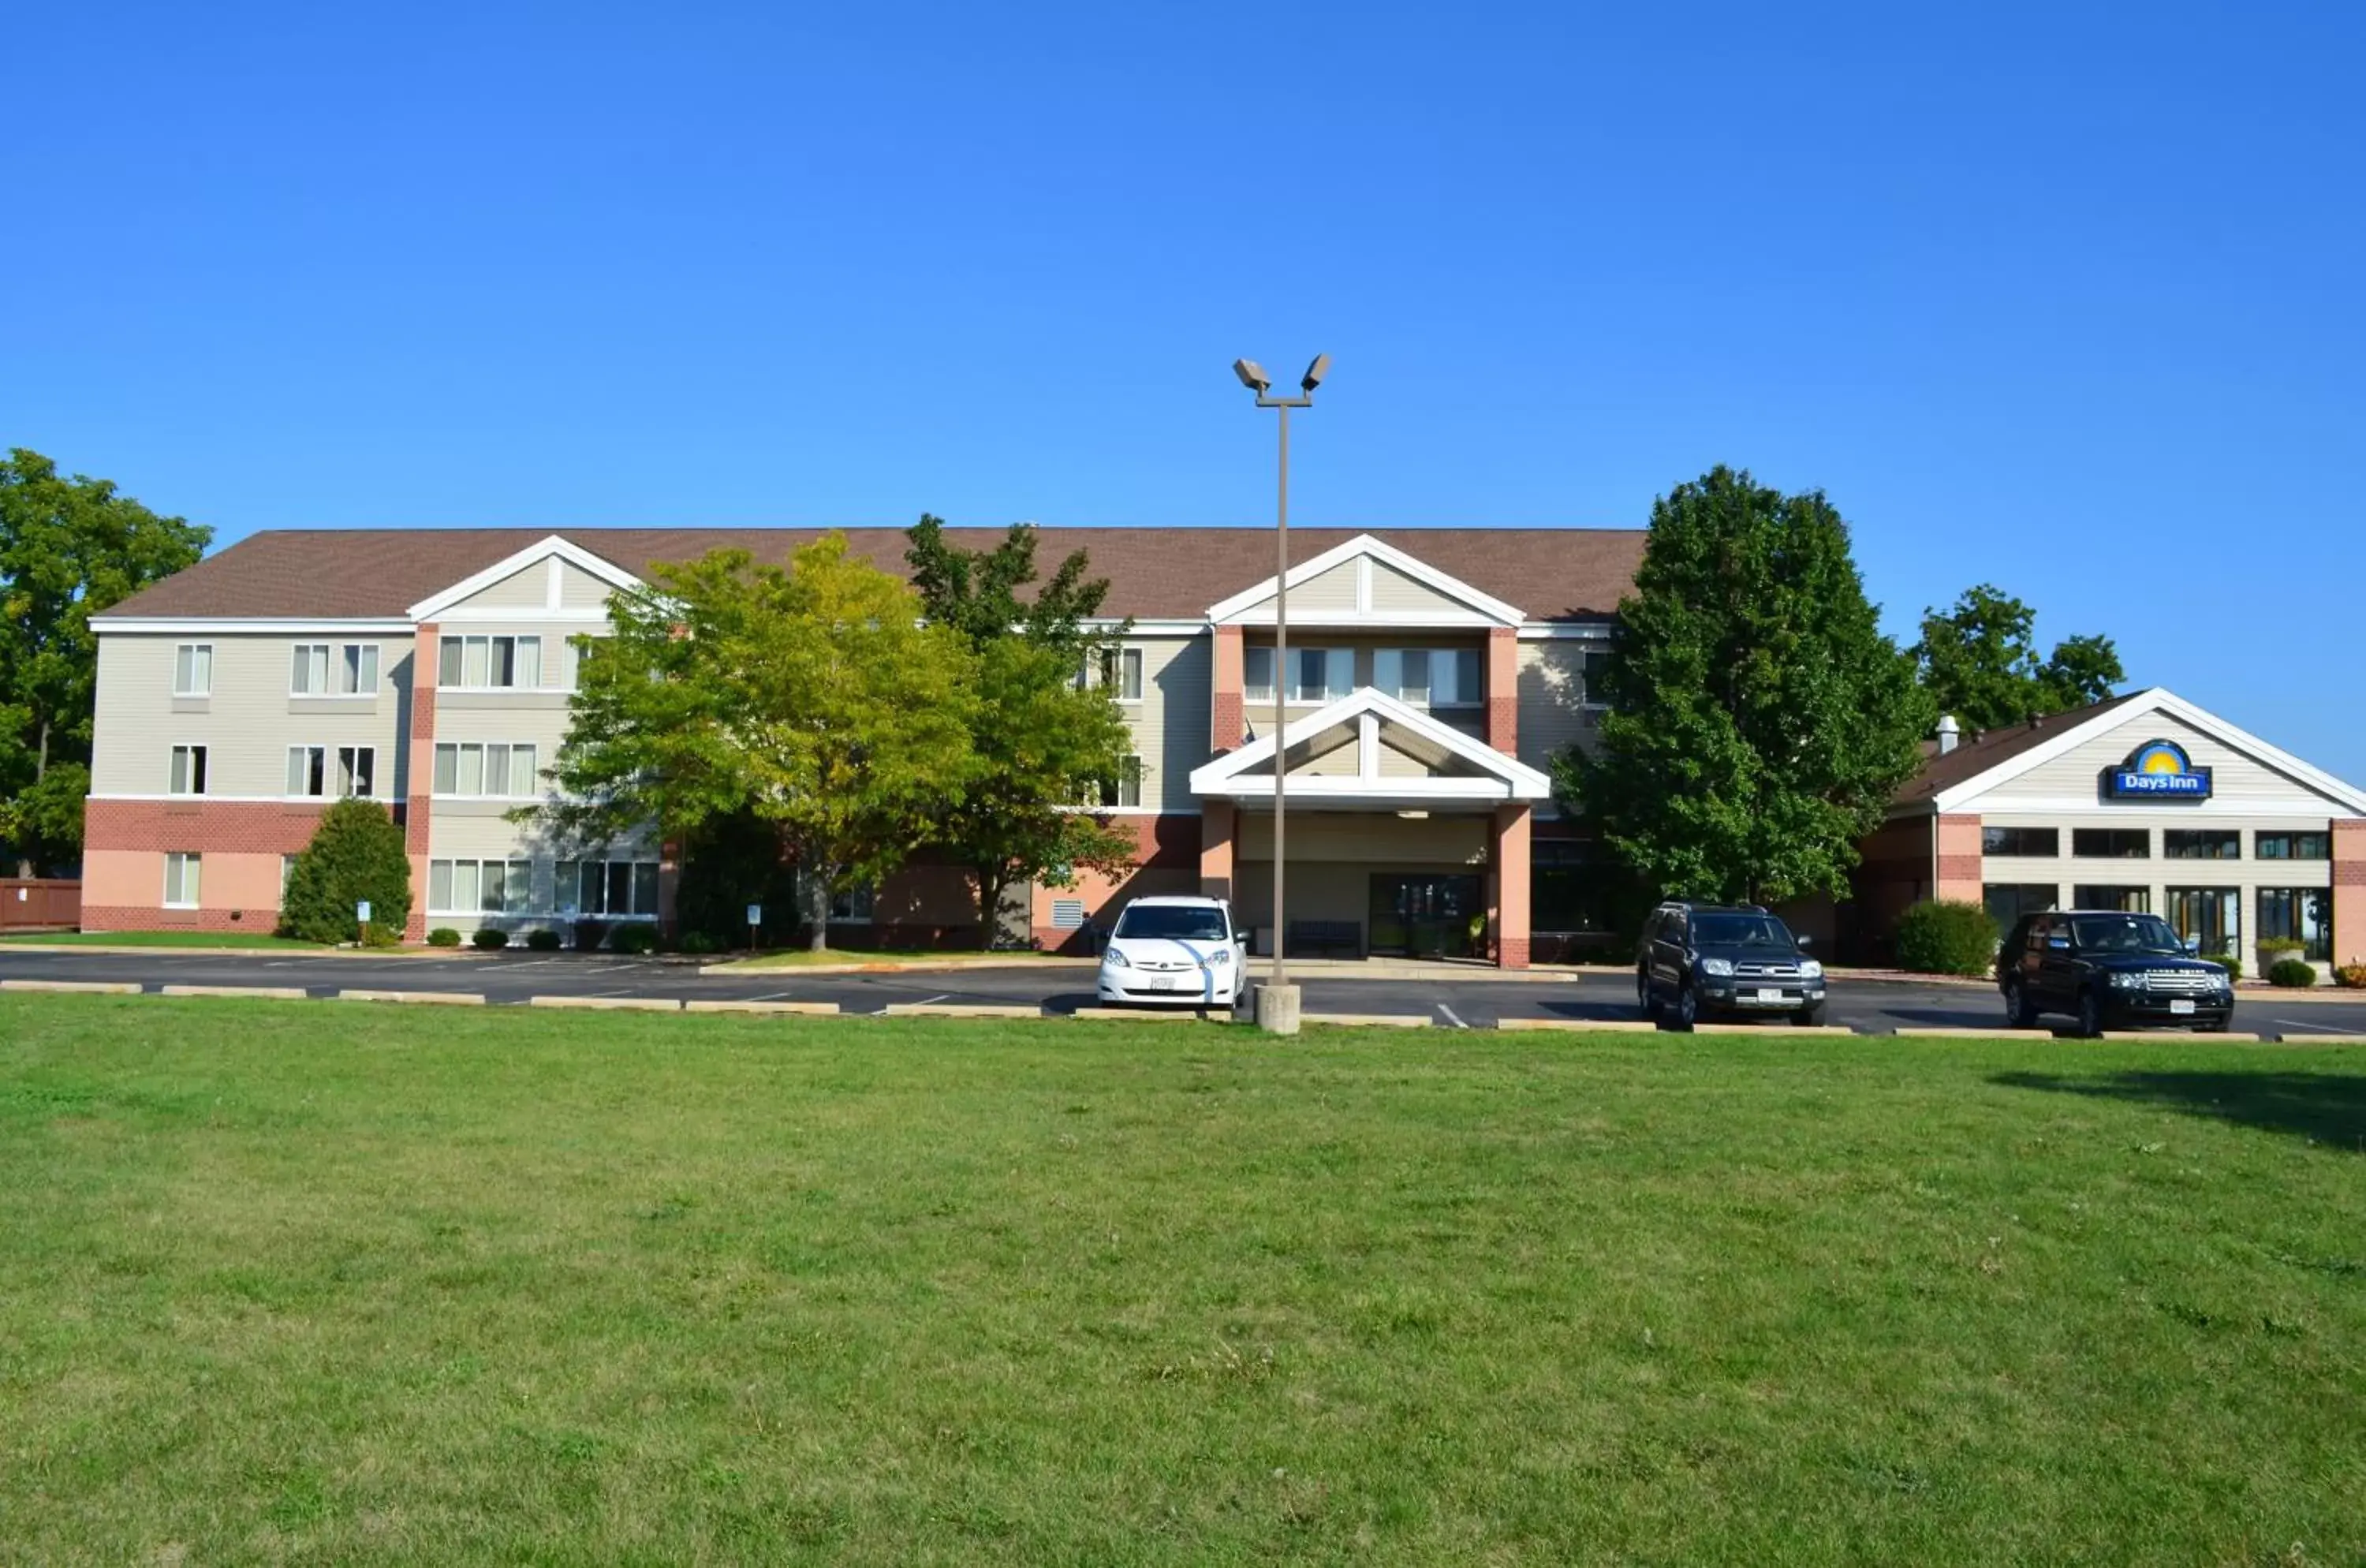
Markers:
point(1770, 993)
point(1166, 982)
point(2181, 1006)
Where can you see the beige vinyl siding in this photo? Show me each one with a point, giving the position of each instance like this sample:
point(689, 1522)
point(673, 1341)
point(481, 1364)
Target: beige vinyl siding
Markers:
point(1330, 591)
point(248, 721)
point(578, 590)
point(2237, 782)
point(1373, 838)
point(1393, 592)
point(528, 589)
point(1170, 723)
point(1550, 718)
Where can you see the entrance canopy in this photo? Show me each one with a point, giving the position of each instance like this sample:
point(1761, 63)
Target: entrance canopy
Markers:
point(1369, 751)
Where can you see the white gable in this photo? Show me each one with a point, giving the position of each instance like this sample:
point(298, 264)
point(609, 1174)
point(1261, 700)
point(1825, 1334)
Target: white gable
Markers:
point(551, 580)
point(1369, 582)
point(1369, 748)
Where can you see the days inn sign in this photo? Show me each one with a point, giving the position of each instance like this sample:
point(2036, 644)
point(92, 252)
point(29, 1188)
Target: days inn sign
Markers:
point(2157, 770)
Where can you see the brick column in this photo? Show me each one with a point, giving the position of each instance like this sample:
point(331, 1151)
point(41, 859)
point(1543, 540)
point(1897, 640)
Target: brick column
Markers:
point(2350, 892)
point(1958, 866)
point(1226, 713)
point(1509, 884)
point(1216, 847)
point(1504, 690)
point(419, 774)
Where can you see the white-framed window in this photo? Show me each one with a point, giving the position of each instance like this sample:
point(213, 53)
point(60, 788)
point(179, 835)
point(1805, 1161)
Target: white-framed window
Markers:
point(494, 769)
point(1316, 674)
point(1119, 673)
point(480, 887)
point(852, 906)
point(609, 887)
point(489, 663)
point(193, 669)
point(181, 880)
point(1126, 788)
point(189, 771)
point(334, 670)
point(1429, 677)
point(1590, 662)
point(314, 771)
point(286, 874)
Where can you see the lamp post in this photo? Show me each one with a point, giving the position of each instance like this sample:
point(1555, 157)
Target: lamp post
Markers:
point(1277, 1000)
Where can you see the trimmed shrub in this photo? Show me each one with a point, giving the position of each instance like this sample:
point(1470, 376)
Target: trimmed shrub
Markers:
point(1947, 937)
point(589, 934)
point(2292, 973)
point(488, 939)
point(542, 940)
point(2351, 977)
point(2274, 948)
point(356, 855)
point(442, 936)
point(2229, 961)
point(700, 942)
point(634, 938)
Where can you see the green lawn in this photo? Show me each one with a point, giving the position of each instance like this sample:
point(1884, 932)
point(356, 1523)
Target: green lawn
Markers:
point(312, 1283)
point(162, 938)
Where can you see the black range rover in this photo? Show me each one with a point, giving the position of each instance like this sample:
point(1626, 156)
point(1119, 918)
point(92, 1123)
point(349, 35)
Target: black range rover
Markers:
point(2109, 969)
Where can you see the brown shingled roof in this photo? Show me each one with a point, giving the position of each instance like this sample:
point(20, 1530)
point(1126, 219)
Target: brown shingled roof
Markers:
point(1155, 573)
point(1981, 749)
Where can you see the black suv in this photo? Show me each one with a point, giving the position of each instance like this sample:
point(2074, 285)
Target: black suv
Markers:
point(2105, 968)
point(1697, 959)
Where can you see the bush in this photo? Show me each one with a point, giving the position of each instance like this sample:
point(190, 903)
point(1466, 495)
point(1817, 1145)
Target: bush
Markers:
point(700, 942)
point(542, 941)
point(2294, 972)
point(2227, 961)
point(356, 855)
point(1947, 938)
point(2351, 977)
point(2274, 948)
point(488, 939)
point(634, 938)
point(589, 934)
point(442, 936)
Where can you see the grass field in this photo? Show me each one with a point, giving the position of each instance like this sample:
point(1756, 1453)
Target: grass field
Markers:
point(160, 939)
point(304, 1282)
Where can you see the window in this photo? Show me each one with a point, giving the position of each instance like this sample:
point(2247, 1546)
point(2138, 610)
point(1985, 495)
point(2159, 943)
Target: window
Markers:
point(357, 770)
point(2299, 914)
point(181, 880)
point(326, 670)
point(612, 887)
point(1590, 664)
point(2127, 900)
point(852, 906)
point(286, 874)
point(308, 770)
point(1120, 673)
point(1256, 676)
point(489, 663)
point(188, 769)
point(480, 887)
point(490, 769)
point(1126, 788)
point(1316, 674)
point(308, 773)
point(193, 669)
point(1570, 891)
point(2008, 901)
point(2201, 843)
point(1428, 677)
point(2040, 842)
point(2211, 917)
point(2292, 846)
point(2112, 843)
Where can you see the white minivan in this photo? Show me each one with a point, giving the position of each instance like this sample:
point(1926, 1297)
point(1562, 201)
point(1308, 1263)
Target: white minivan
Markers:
point(1176, 949)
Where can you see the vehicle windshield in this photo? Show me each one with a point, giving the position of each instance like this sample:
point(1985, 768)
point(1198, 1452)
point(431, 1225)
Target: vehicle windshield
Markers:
point(1740, 930)
point(1175, 922)
point(2125, 933)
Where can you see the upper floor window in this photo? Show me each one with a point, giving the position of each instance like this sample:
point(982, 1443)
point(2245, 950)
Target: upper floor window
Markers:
point(2041, 842)
point(490, 663)
point(193, 669)
point(1126, 788)
point(334, 670)
point(188, 769)
point(1428, 677)
point(2292, 846)
point(1316, 674)
point(2202, 843)
point(2112, 843)
point(314, 770)
point(468, 768)
point(1122, 673)
point(1590, 663)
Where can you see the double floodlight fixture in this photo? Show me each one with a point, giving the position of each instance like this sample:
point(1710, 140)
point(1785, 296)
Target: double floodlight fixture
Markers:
point(1253, 377)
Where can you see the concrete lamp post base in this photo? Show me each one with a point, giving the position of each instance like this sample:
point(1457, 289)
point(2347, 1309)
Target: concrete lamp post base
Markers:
point(1276, 1009)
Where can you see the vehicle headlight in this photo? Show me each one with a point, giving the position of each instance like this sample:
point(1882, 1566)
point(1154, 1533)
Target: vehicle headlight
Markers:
point(1721, 967)
point(1219, 958)
point(1809, 969)
point(2127, 980)
point(1115, 960)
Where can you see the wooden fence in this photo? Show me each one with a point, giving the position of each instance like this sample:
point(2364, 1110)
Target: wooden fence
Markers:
point(33, 905)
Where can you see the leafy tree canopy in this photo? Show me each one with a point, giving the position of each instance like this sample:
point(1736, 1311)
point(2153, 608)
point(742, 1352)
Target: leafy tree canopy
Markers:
point(1979, 662)
point(1042, 740)
point(357, 855)
point(810, 696)
point(1757, 721)
point(69, 548)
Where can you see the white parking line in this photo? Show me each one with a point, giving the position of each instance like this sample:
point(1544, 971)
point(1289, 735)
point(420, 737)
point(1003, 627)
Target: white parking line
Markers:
point(939, 997)
point(2316, 1028)
point(1450, 1018)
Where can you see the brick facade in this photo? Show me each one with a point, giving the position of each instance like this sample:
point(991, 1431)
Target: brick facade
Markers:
point(2350, 892)
point(1227, 706)
point(1504, 690)
point(1509, 868)
point(1167, 860)
point(1959, 858)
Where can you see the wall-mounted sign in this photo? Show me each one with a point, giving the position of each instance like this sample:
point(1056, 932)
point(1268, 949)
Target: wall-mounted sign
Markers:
point(2157, 770)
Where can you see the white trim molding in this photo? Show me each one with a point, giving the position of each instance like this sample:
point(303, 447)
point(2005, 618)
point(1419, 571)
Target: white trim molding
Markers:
point(550, 548)
point(268, 626)
point(1479, 609)
point(1367, 709)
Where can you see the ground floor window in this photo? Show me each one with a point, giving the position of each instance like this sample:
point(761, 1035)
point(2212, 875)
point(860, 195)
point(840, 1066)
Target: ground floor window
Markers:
point(2210, 918)
point(479, 887)
point(1568, 887)
point(2299, 914)
point(181, 880)
point(2127, 900)
point(609, 887)
point(2008, 901)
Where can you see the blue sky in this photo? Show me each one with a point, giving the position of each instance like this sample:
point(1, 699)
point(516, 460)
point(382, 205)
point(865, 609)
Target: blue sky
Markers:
point(2068, 298)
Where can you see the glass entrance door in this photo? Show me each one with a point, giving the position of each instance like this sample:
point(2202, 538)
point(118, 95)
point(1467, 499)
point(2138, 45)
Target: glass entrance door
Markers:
point(1426, 915)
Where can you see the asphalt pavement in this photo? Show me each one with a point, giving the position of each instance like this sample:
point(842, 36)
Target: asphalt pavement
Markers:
point(1866, 1006)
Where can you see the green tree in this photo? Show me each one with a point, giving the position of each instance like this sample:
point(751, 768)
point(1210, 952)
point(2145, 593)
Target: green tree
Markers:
point(1758, 722)
point(1979, 662)
point(69, 548)
point(356, 855)
point(811, 696)
point(1042, 741)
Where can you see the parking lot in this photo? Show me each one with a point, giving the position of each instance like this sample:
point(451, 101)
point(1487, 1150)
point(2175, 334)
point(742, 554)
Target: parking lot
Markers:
point(1866, 1006)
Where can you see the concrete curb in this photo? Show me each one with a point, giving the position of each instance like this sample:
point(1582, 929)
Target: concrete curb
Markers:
point(961, 1010)
point(1783, 1030)
point(1580, 1025)
point(608, 1004)
point(816, 1009)
point(1162, 1015)
point(90, 987)
point(252, 993)
point(441, 999)
point(122, 950)
point(2315, 1039)
point(2229, 1038)
point(2001, 1031)
point(1369, 1020)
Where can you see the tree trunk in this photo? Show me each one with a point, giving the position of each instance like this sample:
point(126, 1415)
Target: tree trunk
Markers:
point(990, 885)
point(817, 891)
